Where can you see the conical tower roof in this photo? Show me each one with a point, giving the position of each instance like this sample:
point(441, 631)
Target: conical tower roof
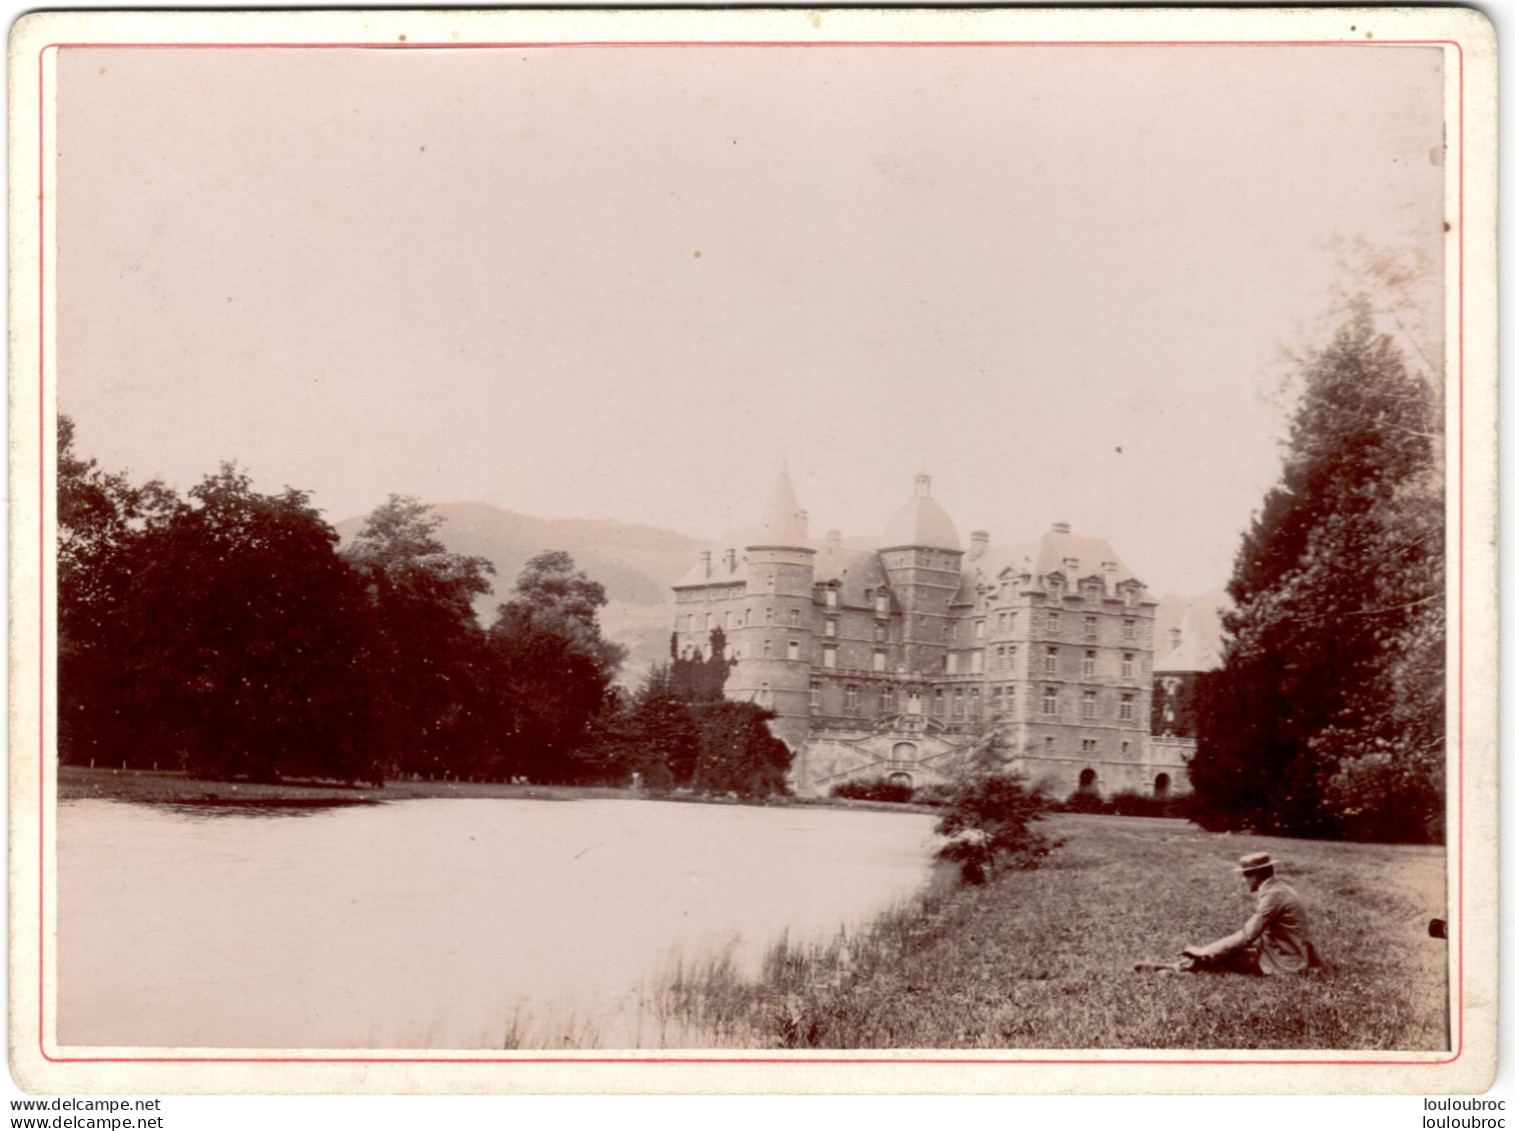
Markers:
point(783, 523)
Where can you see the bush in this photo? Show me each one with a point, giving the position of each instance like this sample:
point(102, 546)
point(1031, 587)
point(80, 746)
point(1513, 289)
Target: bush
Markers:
point(1084, 801)
point(873, 789)
point(1145, 805)
point(988, 822)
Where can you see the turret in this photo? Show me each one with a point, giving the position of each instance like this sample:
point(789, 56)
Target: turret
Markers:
point(923, 558)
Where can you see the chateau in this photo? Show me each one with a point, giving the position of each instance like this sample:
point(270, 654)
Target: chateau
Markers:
point(900, 661)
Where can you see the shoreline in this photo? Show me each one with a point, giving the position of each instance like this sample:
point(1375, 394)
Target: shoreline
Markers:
point(175, 788)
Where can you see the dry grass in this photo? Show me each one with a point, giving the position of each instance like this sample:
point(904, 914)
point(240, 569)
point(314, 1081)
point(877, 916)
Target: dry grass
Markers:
point(1042, 959)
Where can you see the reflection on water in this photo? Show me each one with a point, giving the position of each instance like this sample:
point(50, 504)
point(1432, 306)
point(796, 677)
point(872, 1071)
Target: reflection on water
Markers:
point(252, 807)
point(440, 923)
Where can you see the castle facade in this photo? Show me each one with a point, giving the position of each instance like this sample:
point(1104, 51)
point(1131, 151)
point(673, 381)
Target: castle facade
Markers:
point(900, 660)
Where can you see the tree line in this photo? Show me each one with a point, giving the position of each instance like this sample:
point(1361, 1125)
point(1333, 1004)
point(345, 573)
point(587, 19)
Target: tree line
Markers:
point(1328, 715)
point(227, 633)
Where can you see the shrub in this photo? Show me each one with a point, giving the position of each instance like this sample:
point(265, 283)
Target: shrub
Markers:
point(988, 821)
point(1145, 805)
point(1084, 801)
point(873, 789)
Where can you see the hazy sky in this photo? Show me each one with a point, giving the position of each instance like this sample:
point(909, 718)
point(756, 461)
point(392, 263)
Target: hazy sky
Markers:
point(625, 283)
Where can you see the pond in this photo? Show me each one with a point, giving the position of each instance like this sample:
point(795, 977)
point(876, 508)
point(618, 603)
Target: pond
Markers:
point(441, 923)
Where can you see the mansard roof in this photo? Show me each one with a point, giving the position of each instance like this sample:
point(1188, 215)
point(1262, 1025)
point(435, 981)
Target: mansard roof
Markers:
point(1056, 552)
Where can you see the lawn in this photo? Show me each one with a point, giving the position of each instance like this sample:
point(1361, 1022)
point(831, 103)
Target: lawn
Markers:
point(1042, 958)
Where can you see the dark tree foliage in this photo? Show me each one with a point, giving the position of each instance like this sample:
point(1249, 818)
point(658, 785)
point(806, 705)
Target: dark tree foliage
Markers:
point(1173, 711)
point(102, 523)
point(737, 752)
point(552, 670)
point(430, 664)
point(1326, 717)
point(248, 650)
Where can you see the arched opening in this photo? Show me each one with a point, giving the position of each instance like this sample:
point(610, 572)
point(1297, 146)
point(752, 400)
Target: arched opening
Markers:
point(902, 780)
point(1087, 779)
point(1160, 785)
point(904, 751)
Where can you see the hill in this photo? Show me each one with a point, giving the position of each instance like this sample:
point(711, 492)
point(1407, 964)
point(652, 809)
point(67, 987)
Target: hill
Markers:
point(636, 564)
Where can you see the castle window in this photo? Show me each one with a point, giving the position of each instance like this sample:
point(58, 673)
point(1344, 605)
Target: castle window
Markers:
point(957, 703)
point(978, 630)
point(1049, 662)
point(767, 616)
point(881, 632)
point(1010, 702)
point(1128, 629)
point(1127, 665)
point(815, 695)
point(880, 659)
point(1054, 624)
point(938, 703)
point(976, 662)
point(764, 696)
point(1089, 656)
point(951, 663)
point(975, 703)
point(1049, 744)
point(1014, 653)
point(1014, 617)
point(996, 695)
point(794, 649)
point(1087, 707)
point(1091, 628)
point(1125, 748)
point(773, 580)
point(1003, 621)
point(767, 647)
point(1127, 708)
point(728, 619)
point(708, 618)
point(1049, 701)
point(850, 702)
point(830, 626)
point(794, 618)
point(881, 604)
point(1130, 596)
point(828, 657)
point(886, 699)
point(999, 657)
point(1091, 592)
point(831, 598)
point(1087, 746)
point(746, 617)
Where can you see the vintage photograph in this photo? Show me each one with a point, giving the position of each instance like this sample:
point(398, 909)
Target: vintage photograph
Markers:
point(761, 545)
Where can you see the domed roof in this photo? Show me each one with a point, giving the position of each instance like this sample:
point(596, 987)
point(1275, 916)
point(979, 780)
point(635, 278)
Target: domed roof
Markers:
point(922, 522)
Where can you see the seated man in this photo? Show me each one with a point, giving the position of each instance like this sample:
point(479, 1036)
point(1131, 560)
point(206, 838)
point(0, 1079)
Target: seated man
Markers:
point(1275, 940)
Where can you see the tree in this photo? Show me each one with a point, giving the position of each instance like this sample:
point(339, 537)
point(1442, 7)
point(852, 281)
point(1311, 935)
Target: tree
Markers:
point(102, 520)
point(248, 646)
point(1334, 643)
point(737, 753)
point(428, 651)
point(553, 668)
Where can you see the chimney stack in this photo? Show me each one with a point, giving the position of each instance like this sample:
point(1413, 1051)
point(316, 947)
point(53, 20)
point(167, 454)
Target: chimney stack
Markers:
point(705, 561)
point(1061, 528)
point(731, 560)
point(834, 541)
point(1177, 636)
point(979, 542)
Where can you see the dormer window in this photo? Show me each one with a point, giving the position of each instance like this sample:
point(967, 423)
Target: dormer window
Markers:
point(831, 598)
point(1071, 565)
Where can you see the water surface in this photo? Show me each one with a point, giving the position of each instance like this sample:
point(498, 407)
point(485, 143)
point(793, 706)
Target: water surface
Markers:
point(439, 923)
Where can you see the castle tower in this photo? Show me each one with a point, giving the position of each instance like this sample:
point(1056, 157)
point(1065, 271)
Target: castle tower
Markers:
point(924, 561)
point(776, 640)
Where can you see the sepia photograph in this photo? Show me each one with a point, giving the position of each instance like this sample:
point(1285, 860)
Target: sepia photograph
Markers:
point(631, 538)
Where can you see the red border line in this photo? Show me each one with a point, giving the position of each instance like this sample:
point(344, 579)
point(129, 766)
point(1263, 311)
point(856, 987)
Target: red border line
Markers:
point(41, 294)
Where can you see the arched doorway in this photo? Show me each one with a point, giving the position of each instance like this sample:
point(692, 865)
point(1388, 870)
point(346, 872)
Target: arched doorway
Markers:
point(1160, 785)
point(1087, 779)
point(902, 780)
point(905, 751)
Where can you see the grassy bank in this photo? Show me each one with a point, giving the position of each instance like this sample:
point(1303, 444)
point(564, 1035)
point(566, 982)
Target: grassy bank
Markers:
point(1042, 959)
point(170, 788)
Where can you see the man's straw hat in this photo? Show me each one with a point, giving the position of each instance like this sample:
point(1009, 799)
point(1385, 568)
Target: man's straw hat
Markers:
point(1254, 862)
